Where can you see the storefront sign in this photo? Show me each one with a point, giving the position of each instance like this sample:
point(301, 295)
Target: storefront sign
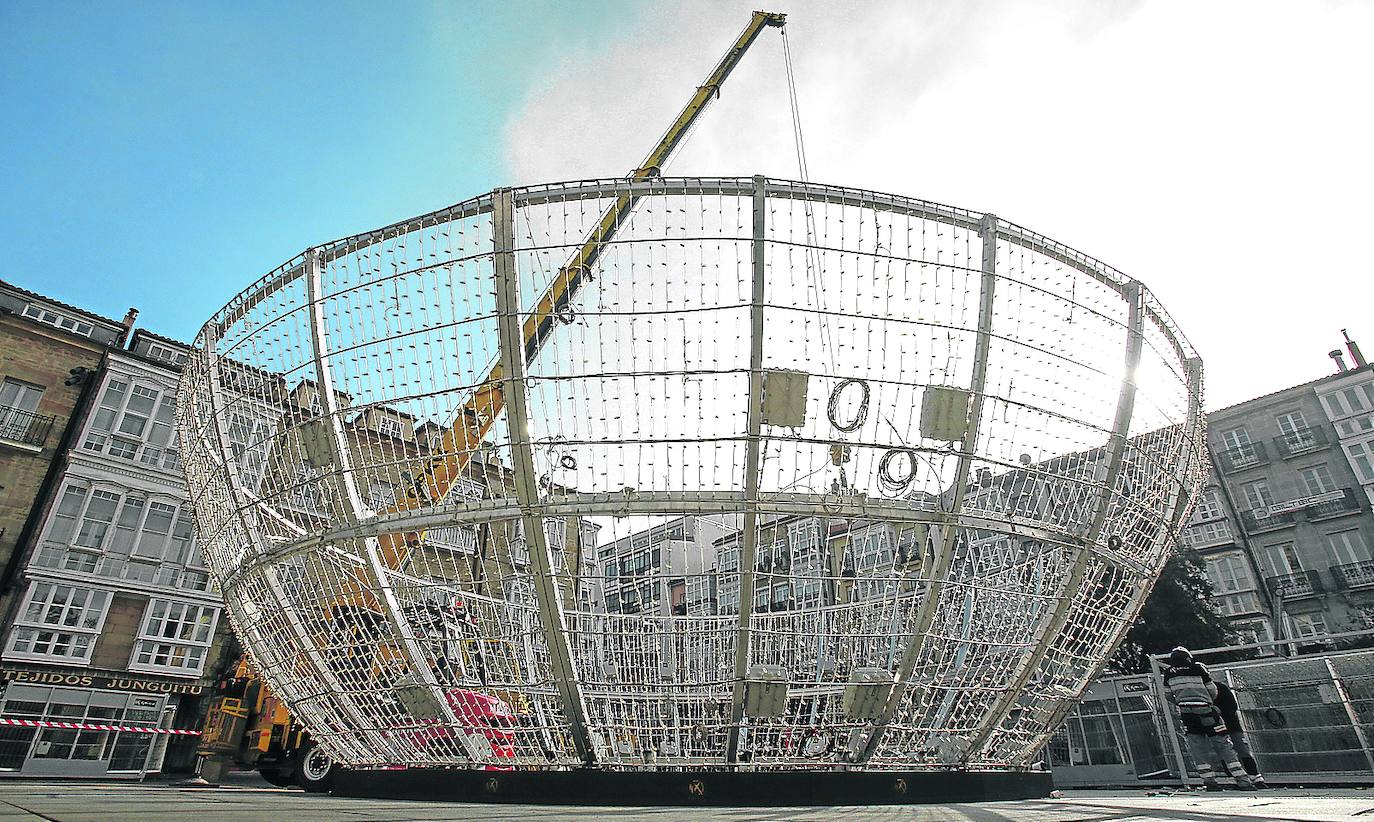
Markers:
point(107, 682)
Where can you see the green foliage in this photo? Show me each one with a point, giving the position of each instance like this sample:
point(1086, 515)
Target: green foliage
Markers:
point(1178, 611)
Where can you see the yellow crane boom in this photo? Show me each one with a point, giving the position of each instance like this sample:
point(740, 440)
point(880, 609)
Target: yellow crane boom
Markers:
point(453, 453)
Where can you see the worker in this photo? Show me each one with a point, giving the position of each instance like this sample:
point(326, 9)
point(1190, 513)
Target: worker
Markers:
point(1194, 693)
point(1230, 714)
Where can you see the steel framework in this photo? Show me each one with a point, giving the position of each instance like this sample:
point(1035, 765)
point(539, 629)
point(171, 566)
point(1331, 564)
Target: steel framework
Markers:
point(796, 476)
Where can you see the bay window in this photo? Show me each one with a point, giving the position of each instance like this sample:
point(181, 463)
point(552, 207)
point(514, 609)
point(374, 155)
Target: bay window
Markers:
point(174, 637)
point(58, 622)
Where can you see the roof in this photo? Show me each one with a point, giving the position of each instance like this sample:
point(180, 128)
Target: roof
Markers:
point(1309, 384)
point(143, 332)
point(115, 324)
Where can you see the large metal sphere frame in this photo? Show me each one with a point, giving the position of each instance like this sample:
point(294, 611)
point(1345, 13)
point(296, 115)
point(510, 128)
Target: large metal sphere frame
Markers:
point(939, 600)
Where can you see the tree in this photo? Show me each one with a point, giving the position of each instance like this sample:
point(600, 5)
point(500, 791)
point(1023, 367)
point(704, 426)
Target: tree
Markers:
point(1179, 611)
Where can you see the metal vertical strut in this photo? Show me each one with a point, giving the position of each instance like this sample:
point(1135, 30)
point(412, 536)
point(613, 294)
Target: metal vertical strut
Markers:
point(1054, 622)
point(1193, 376)
point(547, 592)
point(353, 509)
point(944, 557)
point(309, 646)
point(753, 447)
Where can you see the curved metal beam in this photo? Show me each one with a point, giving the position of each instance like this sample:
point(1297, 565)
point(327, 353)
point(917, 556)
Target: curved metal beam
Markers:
point(944, 556)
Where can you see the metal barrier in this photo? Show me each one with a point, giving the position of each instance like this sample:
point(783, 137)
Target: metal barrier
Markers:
point(1308, 718)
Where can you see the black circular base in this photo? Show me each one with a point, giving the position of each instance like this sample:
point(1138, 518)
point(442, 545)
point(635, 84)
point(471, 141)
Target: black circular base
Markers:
point(653, 788)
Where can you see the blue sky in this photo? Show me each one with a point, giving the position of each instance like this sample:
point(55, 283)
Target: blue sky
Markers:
point(167, 155)
point(164, 155)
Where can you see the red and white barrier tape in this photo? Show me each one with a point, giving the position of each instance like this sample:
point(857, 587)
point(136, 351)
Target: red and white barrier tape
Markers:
point(92, 726)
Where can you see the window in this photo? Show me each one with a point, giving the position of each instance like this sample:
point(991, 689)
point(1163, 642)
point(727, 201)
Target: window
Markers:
point(1246, 602)
point(166, 353)
point(1361, 456)
point(1353, 400)
point(1356, 425)
point(1347, 547)
point(1206, 532)
point(175, 637)
point(1229, 573)
point(1317, 480)
point(130, 537)
point(129, 418)
point(1257, 494)
point(1253, 631)
point(1237, 441)
point(18, 404)
point(62, 321)
point(389, 427)
point(381, 495)
point(1208, 506)
point(58, 621)
point(1283, 559)
point(305, 493)
point(1291, 423)
point(1307, 625)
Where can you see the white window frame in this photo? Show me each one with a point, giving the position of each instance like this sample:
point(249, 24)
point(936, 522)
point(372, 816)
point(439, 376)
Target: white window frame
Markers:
point(32, 620)
point(1208, 506)
point(390, 427)
point(58, 320)
point(155, 444)
point(144, 548)
point(178, 616)
point(1320, 474)
point(166, 353)
point(1258, 495)
point(1348, 547)
point(1306, 626)
point(1360, 455)
point(1284, 559)
point(1230, 574)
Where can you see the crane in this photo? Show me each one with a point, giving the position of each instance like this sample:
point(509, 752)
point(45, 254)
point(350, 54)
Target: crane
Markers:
point(454, 451)
point(450, 459)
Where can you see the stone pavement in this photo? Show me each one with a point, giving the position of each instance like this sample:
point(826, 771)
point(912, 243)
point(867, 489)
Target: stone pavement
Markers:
point(152, 802)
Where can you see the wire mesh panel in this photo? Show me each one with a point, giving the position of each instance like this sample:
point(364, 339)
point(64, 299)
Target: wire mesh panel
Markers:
point(689, 472)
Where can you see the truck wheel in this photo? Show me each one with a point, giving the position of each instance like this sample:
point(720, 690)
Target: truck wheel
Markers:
point(315, 769)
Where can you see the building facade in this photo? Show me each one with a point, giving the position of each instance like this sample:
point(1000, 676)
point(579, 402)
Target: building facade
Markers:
point(1284, 525)
point(115, 625)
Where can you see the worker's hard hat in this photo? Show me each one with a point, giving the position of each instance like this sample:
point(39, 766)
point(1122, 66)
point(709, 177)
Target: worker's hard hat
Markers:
point(1180, 656)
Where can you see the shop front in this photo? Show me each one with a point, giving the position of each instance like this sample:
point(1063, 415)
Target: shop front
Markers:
point(71, 723)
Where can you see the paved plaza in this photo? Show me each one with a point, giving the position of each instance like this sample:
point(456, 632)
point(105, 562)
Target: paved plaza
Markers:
point(153, 802)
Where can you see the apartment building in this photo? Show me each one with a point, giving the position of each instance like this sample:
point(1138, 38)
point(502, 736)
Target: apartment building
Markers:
point(113, 626)
point(665, 569)
point(1284, 524)
point(48, 351)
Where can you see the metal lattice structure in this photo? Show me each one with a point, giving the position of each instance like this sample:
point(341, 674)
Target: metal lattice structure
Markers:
point(781, 475)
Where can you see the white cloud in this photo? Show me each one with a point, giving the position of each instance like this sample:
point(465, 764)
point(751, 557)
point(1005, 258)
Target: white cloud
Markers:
point(1216, 151)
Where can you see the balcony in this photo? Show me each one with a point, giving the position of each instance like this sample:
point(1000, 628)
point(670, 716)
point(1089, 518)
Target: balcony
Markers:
point(1346, 503)
point(24, 427)
point(1296, 585)
point(1243, 457)
point(1261, 519)
point(1300, 441)
point(1354, 574)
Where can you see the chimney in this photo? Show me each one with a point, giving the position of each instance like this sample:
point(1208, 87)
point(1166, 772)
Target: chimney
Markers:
point(128, 323)
point(1354, 350)
point(1339, 357)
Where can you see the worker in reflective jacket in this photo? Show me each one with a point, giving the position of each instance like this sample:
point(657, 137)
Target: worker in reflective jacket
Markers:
point(1230, 714)
point(1193, 692)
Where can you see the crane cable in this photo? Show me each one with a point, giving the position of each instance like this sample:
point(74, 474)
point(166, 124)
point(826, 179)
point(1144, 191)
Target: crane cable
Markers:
point(826, 337)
